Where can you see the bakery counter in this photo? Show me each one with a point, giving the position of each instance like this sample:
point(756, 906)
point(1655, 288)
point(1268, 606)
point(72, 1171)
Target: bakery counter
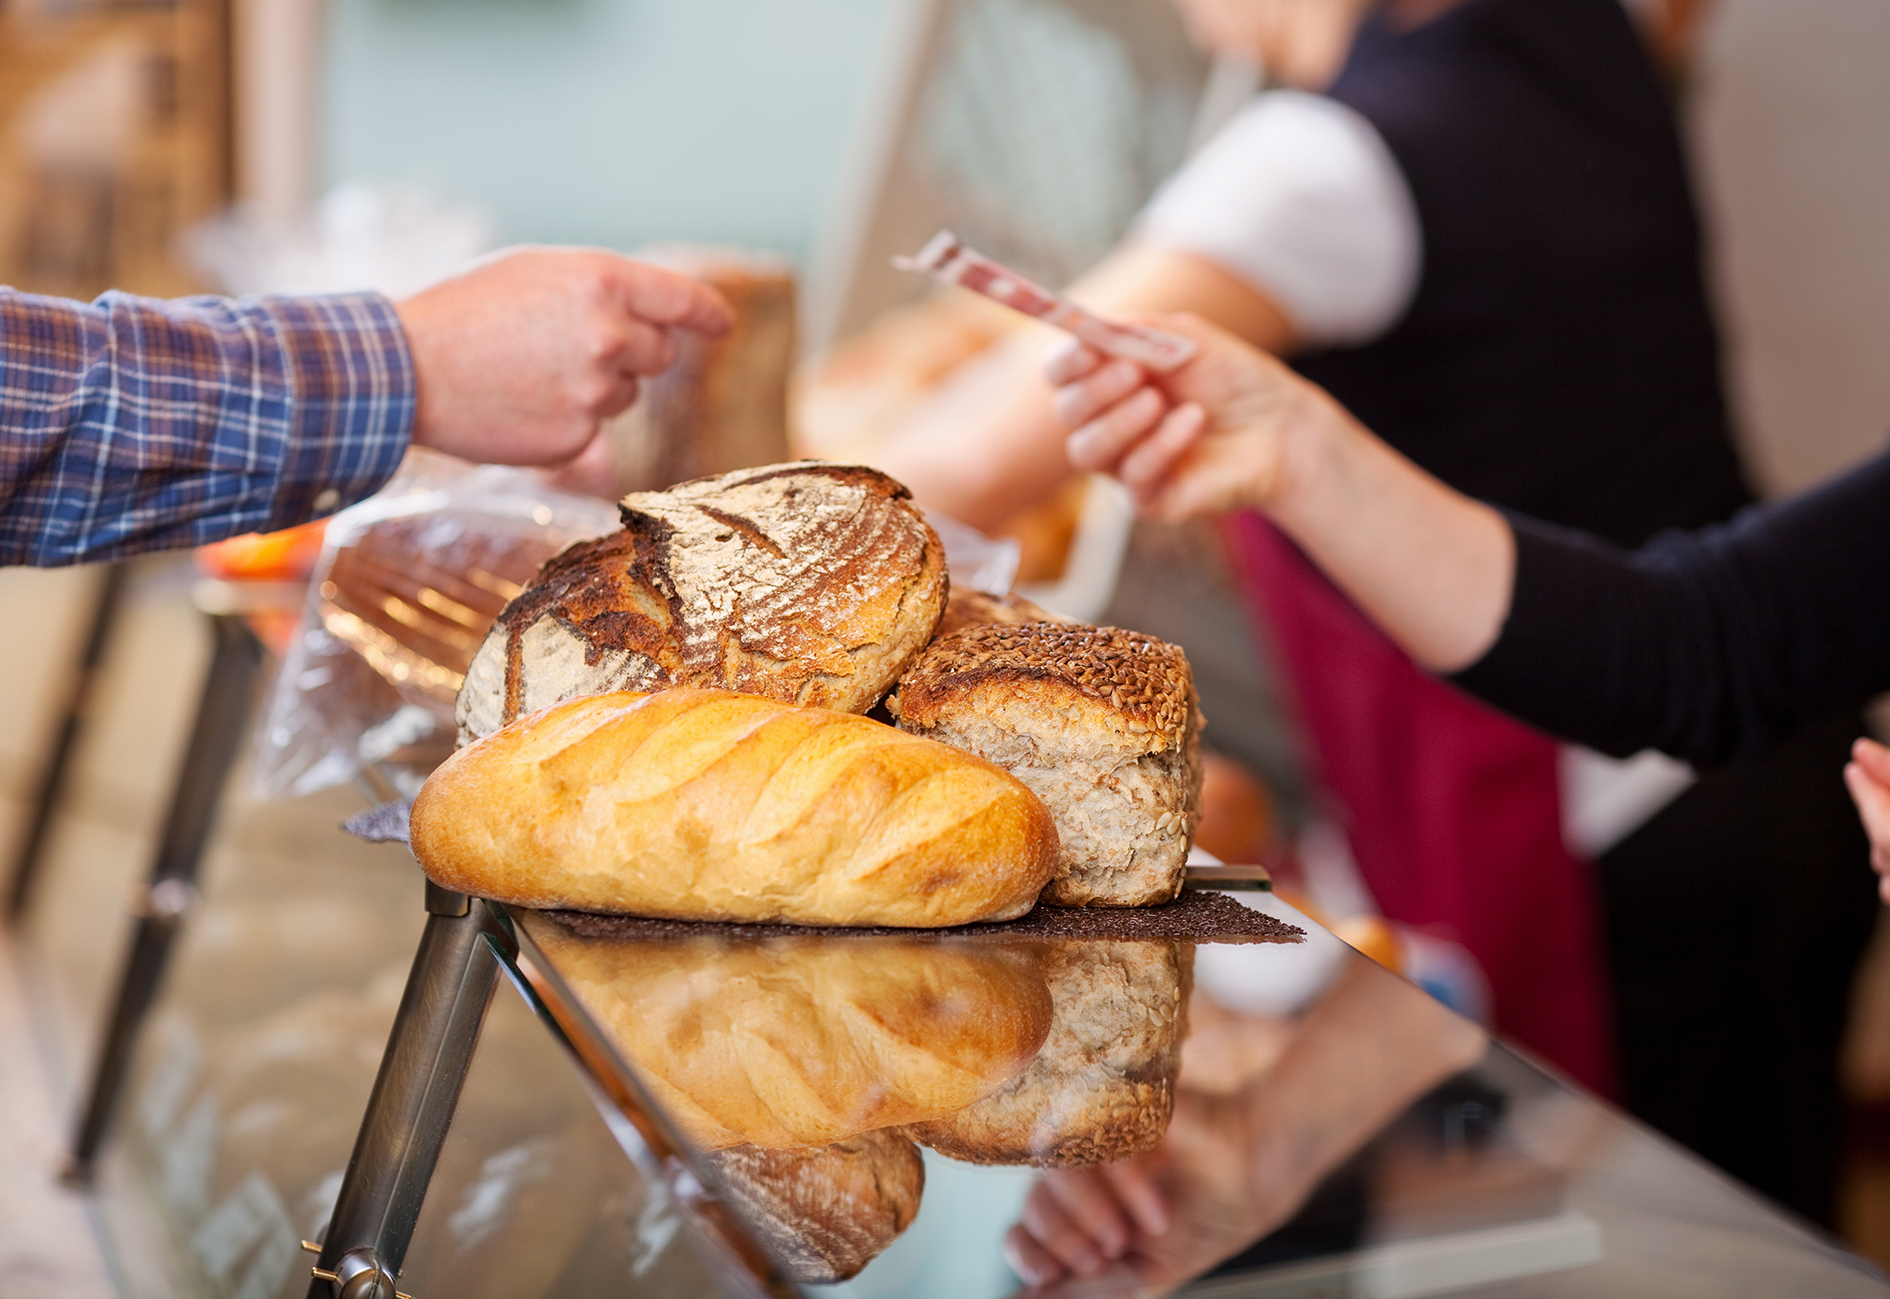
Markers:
point(870, 1115)
point(668, 1110)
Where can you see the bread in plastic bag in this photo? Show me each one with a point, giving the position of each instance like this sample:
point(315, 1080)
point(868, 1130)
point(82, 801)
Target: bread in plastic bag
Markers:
point(407, 584)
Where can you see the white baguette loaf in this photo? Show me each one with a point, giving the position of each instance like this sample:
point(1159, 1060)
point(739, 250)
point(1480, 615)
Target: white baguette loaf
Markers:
point(710, 805)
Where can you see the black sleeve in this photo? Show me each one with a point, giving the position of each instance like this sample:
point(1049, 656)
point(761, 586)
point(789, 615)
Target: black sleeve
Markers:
point(1710, 645)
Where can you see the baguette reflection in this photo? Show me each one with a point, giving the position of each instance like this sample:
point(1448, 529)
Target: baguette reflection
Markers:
point(805, 1068)
point(792, 1043)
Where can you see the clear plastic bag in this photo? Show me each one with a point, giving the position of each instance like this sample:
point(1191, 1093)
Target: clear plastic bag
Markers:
point(976, 562)
point(406, 587)
point(408, 582)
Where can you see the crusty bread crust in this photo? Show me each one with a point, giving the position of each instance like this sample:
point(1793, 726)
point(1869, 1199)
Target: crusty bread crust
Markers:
point(974, 608)
point(823, 1214)
point(1099, 722)
point(805, 1041)
point(711, 805)
point(1103, 1087)
point(809, 583)
point(1137, 691)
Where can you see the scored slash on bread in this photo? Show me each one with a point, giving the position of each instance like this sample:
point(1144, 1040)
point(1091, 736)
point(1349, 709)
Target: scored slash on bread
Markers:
point(809, 583)
point(1099, 722)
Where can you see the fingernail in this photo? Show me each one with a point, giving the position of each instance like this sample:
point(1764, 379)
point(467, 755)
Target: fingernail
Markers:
point(1088, 1263)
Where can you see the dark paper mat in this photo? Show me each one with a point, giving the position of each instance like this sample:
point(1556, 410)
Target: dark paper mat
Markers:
point(1200, 914)
point(1197, 914)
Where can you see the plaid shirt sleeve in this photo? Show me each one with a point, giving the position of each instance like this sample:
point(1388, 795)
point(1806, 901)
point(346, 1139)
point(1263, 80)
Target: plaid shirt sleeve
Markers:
point(131, 424)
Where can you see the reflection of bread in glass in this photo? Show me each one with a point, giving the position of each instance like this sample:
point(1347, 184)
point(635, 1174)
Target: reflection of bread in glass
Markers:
point(803, 1042)
point(823, 1214)
point(1102, 1088)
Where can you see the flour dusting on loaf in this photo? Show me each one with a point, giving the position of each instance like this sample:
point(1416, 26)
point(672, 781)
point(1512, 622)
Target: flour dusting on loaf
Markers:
point(808, 583)
point(1100, 723)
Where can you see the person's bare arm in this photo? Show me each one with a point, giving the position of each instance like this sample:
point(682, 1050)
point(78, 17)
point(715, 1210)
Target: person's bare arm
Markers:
point(987, 443)
point(520, 357)
point(1235, 429)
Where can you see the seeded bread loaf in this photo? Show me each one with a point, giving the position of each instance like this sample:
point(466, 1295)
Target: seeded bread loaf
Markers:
point(1100, 723)
point(711, 805)
point(975, 608)
point(1103, 1087)
point(808, 583)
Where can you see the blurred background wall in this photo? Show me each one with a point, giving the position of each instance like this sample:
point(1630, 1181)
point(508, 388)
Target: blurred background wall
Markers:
point(1790, 116)
point(614, 122)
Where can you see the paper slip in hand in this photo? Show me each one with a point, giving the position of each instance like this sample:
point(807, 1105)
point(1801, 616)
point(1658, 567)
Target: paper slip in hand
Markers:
point(947, 260)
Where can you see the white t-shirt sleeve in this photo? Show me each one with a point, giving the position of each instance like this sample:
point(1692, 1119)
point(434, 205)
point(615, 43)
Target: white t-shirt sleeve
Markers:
point(1299, 196)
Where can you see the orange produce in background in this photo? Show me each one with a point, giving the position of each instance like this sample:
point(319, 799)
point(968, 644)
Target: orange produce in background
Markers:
point(1237, 823)
point(284, 556)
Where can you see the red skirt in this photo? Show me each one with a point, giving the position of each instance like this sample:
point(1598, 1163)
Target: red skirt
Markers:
point(1453, 810)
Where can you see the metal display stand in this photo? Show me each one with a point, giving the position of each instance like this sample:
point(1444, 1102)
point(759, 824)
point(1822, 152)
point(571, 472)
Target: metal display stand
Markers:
point(467, 944)
point(422, 1071)
point(216, 741)
point(80, 688)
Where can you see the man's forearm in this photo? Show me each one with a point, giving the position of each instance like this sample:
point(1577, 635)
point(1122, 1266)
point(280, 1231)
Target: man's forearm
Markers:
point(130, 424)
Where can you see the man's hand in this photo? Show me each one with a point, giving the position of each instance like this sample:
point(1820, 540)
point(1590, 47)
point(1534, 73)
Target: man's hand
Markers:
point(1225, 431)
point(519, 358)
point(1868, 777)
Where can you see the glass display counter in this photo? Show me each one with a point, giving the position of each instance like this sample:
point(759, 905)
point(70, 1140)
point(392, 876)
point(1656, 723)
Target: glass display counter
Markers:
point(650, 1110)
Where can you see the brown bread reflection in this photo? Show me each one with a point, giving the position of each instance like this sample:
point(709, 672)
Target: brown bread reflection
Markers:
point(805, 1066)
point(822, 1214)
point(1103, 1087)
point(797, 1043)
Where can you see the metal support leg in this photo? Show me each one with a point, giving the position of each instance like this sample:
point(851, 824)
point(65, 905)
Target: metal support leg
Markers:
point(215, 742)
point(52, 777)
point(422, 1071)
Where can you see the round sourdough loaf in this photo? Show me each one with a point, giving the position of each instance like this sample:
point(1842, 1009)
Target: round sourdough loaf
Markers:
point(710, 805)
point(1102, 725)
point(799, 1042)
point(810, 583)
